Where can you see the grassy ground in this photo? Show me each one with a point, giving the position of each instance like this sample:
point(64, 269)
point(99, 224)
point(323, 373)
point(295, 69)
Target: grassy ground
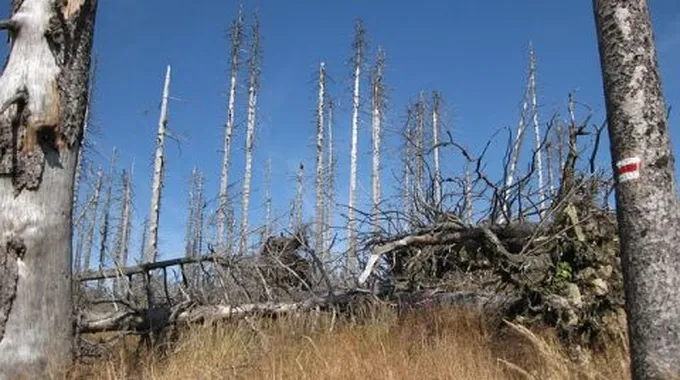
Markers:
point(439, 344)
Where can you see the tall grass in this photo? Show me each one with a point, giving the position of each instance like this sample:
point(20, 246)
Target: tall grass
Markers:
point(434, 344)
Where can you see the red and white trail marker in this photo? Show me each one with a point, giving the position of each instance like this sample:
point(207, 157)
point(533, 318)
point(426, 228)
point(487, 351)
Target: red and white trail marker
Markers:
point(628, 169)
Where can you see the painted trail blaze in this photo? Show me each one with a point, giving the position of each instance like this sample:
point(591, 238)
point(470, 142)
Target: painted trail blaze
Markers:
point(628, 169)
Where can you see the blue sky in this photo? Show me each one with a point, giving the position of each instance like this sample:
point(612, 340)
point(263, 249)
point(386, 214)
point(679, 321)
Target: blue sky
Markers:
point(474, 52)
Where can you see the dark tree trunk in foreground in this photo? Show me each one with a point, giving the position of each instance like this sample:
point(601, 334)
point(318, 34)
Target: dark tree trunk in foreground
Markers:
point(648, 220)
point(43, 96)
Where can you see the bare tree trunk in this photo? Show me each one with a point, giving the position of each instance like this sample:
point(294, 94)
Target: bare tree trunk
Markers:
point(191, 210)
point(419, 147)
point(359, 47)
point(236, 42)
point(378, 109)
point(43, 90)
point(647, 212)
point(253, 85)
point(467, 193)
point(330, 177)
point(436, 104)
point(87, 252)
point(537, 130)
point(199, 204)
point(299, 198)
point(151, 251)
point(268, 228)
point(515, 152)
point(319, 225)
point(124, 227)
point(408, 156)
point(106, 215)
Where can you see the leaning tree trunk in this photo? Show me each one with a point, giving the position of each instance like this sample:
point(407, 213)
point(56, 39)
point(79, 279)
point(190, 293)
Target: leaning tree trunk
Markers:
point(647, 214)
point(151, 247)
point(43, 93)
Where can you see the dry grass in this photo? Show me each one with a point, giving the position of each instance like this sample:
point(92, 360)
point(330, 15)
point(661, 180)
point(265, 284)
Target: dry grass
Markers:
point(440, 344)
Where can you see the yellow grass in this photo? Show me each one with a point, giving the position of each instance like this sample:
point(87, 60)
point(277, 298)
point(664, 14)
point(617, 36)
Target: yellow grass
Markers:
point(439, 344)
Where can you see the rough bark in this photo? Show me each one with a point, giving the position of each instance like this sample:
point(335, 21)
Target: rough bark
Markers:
point(319, 224)
point(236, 42)
point(359, 47)
point(43, 93)
point(253, 86)
point(151, 250)
point(647, 213)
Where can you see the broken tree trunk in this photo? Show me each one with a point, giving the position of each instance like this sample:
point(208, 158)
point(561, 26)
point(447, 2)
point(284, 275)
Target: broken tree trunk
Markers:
point(646, 205)
point(378, 109)
point(151, 250)
point(236, 42)
point(253, 87)
point(319, 223)
point(43, 93)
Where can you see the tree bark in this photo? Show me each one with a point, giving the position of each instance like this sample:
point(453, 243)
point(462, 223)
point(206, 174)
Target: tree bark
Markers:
point(436, 104)
point(647, 213)
point(43, 90)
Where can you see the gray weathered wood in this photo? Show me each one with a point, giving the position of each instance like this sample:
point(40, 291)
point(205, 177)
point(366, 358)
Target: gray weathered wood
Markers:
point(40, 136)
point(647, 212)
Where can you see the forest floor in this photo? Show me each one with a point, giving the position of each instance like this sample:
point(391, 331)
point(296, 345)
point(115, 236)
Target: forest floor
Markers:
point(432, 344)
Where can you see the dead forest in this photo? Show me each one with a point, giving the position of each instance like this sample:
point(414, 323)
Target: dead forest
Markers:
point(537, 244)
point(546, 237)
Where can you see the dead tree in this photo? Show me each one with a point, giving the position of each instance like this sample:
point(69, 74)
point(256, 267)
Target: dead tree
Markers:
point(378, 103)
point(236, 42)
point(87, 252)
point(436, 105)
point(330, 175)
point(104, 228)
point(419, 147)
point(299, 198)
point(151, 250)
point(191, 209)
point(359, 46)
point(537, 131)
point(253, 87)
point(319, 224)
point(124, 226)
point(646, 205)
point(43, 97)
point(268, 228)
point(198, 214)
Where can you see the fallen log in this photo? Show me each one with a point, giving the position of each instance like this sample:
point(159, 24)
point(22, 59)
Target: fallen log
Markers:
point(92, 275)
point(160, 317)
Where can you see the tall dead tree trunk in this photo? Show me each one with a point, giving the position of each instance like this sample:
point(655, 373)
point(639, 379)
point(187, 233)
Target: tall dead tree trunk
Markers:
point(268, 228)
point(420, 147)
point(43, 93)
point(253, 87)
point(199, 214)
point(104, 228)
point(378, 110)
point(299, 198)
point(80, 164)
point(537, 130)
point(151, 250)
point(87, 251)
point(436, 104)
point(191, 209)
point(646, 205)
point(330, 177)
point(124, 226)
point(319, 225)
point(359, 48)
point(236, 42)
